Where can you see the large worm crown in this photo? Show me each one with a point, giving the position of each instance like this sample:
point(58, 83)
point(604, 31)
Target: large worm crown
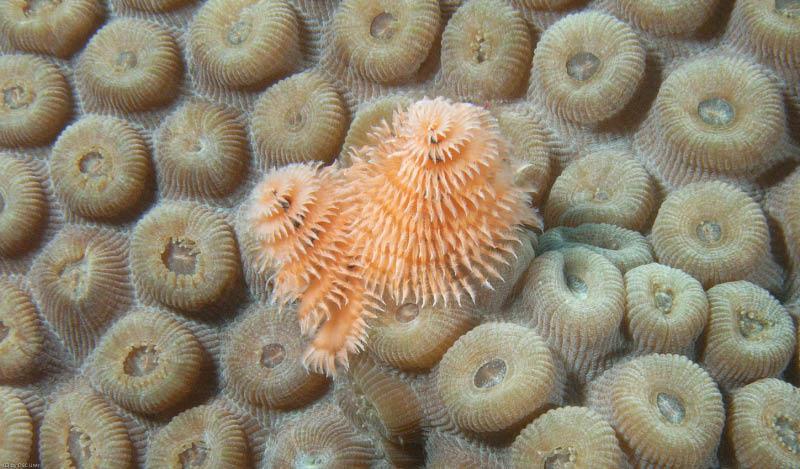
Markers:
point(451, 211)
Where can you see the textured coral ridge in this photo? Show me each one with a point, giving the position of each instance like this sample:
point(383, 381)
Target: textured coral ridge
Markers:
point(436, 216)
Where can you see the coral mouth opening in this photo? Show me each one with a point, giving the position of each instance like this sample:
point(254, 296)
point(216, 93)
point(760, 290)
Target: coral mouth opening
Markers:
point(751, 325)
point(600, 195)
point(480, 49)
point(194, 456)
point(79, 447)
point(295, 119)
point(238, 32)
point(663, 300)
point(15, 97)
point(382, 26)
point(670, 407)
point(406, 313)
point(583, 66)
point(180, 256)
point(311, 461)
point(92, 164)
point(716, 112)
point(577, 286)
point(788, 432)
point(560, 458)
point(709, 232)
point(3, 331)
point(75, 276)
point(141, 361)
point(272, 355)
point(789, 8)
point(126, 60)
point(490, 374)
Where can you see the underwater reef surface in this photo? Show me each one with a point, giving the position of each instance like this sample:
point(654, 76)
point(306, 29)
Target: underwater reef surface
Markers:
point(149, 319)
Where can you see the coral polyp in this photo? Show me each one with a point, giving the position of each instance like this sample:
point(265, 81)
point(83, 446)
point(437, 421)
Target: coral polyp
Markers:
point(184, 255)
point(714, 116)
point(603, 187)
point(21, 333)
point(713, 231)
point(148, 362)
point(321, 437)
point(666, 311)
point(100, 167)
point(413, 337)
point(377, 400)
point(23, 205)
point(589, 66)
point(497, 377)
point(82, 428)
point(763, 424)
point(482, 38)
point(263, 361)
point(130, 65)
point(55, 28)
point(384, 41)
point(201, 151)
point(666, 410)
point(299, 119)
point(574, 299)
point(575, 435)
point(204, 436)
point(36, 101)
point(680, 18)
point(749, 335)
point(244, 43)
point(81, 282)
point(625, 248)
point(769, 30)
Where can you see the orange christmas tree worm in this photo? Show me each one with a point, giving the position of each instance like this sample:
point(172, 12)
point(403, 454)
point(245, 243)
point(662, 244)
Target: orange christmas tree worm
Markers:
point(427, 212)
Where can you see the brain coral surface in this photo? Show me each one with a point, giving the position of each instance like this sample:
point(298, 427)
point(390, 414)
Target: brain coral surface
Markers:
point(650, 320)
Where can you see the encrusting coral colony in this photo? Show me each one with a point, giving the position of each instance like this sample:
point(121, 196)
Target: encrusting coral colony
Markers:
point(400, 233)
